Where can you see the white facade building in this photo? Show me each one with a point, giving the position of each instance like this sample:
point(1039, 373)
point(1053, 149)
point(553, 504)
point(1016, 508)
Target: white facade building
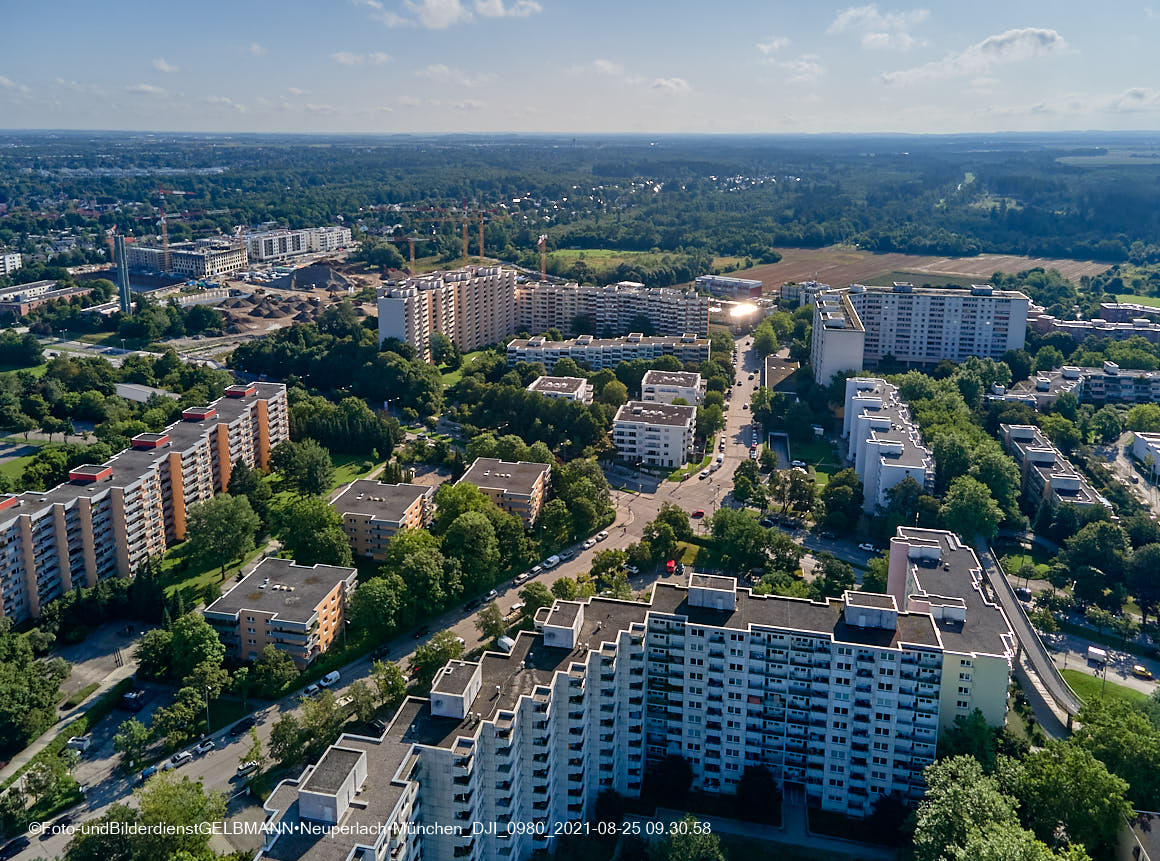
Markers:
point(654, 433)
point(271, 245)
point(205, 258)
point(474, 307)
point(883, 441)
point(838, 339)
point(10, 262)
point(723, 285)
point(1046, 473)
point(600, 353)
point(613, 310)
point(1146, 449)
point(667, 386)
point(844, 698)
point(568, 388)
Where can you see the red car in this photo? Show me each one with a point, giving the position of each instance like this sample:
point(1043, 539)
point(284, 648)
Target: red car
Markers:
point(671, 566)
point(700, 512)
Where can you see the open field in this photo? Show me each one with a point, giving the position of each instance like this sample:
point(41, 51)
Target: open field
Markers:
point(1113, 157)
point(1088, 687)
point(1154, 301)
point(842, 264)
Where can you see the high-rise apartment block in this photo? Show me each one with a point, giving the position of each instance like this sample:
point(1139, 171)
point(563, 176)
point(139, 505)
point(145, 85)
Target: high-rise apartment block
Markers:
point(474, 307)
point(205, 258)
point(613, 310)
point(1047, 474)
point(918, 326)
point(844, 698)
point(884, 442)
point(109, 518)
point(271, 245)
point(600, 353)
point(373, 511)
point(519, 488)
point(297, 609)
point(659, 434)
point(723, 285)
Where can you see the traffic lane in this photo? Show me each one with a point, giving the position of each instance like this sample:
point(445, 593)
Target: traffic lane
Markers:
point(1070, 652)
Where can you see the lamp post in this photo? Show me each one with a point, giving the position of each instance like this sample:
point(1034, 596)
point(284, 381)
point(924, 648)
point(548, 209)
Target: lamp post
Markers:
point(207, 729)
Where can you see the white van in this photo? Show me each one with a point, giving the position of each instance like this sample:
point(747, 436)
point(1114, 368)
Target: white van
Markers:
point(329, 679)
point(551, 562)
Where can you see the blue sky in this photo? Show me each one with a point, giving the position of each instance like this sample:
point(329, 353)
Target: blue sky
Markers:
point(579, 66)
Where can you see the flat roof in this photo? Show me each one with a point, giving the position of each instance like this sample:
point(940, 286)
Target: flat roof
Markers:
point(712, 581)
point(835, 312)
point(903, 430)
point(454, 677)
point(378, 499)
point(516, 478)
point(309, 584)
point(583, 341)
point(558, 385)
point(332, 769)
point(870, 599)
point(563, 614)
point(1059, 467)
point(685, 379)
point(778, 370)
point(653, 413)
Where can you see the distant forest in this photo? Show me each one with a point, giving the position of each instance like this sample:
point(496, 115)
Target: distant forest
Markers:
point(691, 198)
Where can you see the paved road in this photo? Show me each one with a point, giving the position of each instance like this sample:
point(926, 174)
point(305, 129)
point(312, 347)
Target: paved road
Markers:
point(1029, 640)
point(1070, 652)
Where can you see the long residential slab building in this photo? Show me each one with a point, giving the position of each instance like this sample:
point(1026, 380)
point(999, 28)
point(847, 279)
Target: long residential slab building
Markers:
point(844, 699)
point(918, 326)
point(280, 244)
point(205, 258)
point(884, 442)
point(1047, 476)
point(600, 353)
point(610, 310)
point(107, 519)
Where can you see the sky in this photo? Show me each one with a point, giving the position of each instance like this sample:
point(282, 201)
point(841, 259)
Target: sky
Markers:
point(577, 66)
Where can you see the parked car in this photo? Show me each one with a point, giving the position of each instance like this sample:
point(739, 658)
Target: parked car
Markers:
point(422, 632)
point(867, 546)
point(14, 847)
point(147, 773)
point(601, 535)
point(721, 447)
point(700, 512)
point(473, 604)
point(567, 554)
point(520, 579)
point(745, 406)
point(246, 767)
point(631, 569)
point(242, 726)
point(536, 571)
point(1023, 594)
point(132, 701)
point(330, 678)
point(462, 642)
point(179, 759)
point(703, 474)
point(311, 690)
point(670, 566)
point(550, 562)
point(491, 595)
point(589, 543)
point(798, 463)
point(767, 521)
point(205, 745)
point(1141, 672)
point(378, 726)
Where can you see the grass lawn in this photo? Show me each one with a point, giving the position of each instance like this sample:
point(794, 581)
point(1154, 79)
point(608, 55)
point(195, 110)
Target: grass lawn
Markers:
point(819, 454)
point(78, 697)
point(690, 468)
point(1154, 301)
point(227, 710)
point(1018, 557)
point(1089, 687)
point(35, 370)
point(13, 468)
point(348, 467)
point(450, 378)
point(179, 573)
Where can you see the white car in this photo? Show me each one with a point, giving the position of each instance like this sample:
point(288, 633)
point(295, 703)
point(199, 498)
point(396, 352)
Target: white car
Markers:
point(520, 579)
point(247, 767)
point(590, 543)
point(631, 569)
point(179, 759)
point(867, 546)
point(205, 746)
point(551, 562)
point(798, 463)
point(704, 474)
point(329, 679)
point(601, 535)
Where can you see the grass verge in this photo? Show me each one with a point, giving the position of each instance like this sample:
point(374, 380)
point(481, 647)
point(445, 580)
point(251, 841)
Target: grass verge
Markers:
point(77, 697)
point(1088, 688)
point(690, 468)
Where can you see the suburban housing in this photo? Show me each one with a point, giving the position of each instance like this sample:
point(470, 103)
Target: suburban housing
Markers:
point(518, 488)
point(654, 433)
point(568, 388)
point(373, 511)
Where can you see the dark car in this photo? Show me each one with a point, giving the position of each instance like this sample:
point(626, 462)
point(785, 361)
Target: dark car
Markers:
point(422, 632)
point(244, 725)
point(14, 848)
point(380, 654)
point(767, 521)
point(133, 701)
point(472, 604)
point(378, 726)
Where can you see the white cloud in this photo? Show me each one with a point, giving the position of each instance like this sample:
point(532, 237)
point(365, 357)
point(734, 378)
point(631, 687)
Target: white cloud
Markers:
point(883, 30)
point(348, 58)
point(1013, 46)
point(297, 91)
point(9, 84)
point(672, 86)
point(445, 74)
point(78, 87)
point(772, 45)
point(607, 68)
point(1134, 100)
point(161, 65)
point(469, 105)
point(515, 9)
point(805, 69)
point(437, 14)
point(1151, 13)
point(256, 49)
point(145, 89)
point(224, 102)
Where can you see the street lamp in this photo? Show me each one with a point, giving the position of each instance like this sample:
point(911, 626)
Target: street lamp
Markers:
point(207, 729)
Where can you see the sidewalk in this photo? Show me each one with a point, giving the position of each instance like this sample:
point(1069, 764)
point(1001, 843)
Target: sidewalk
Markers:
point(25, 756)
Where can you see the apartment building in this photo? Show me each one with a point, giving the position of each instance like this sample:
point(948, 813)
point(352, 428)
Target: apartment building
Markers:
point(1046, 473)
point(271, 245)
point(611, 310)
point(600, 353)
point(839, 338)
point(568, 388)
point(664, 387)
point(844, 698)
point(918, 326)
point(723, 285)
point(776, 373)
point(21, 299)
point(107, 519)
point(519, 488)
point(1146, 450)
point(297, 609)
point(205, 258)
point(654, 433)
point(884, 443)
point(802, 293)
point(1117, 320)
point(10, 262)
point(373, 511)
point(474, 307)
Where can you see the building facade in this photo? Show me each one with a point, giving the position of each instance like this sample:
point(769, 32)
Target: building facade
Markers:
point(654, 433)
point(373, 511)
point(474, 307)
point(109, 518)
point(567, 388)
point(610, 311)
point(270, 245)
point(722, 285)
point(600, 353)
point(519, 488)
point(10, 261)
point(1046, 473)
point(664, 387)
point(918, 326)
point(297, 609)
point(205, 258)
point(845, 699)
point(884, 443)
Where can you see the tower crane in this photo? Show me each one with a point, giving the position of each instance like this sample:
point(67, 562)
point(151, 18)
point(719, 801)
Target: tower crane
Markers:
point(542, 244)
point(165, 227)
